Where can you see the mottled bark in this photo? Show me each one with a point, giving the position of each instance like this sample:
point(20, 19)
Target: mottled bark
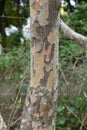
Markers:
point(40, 106)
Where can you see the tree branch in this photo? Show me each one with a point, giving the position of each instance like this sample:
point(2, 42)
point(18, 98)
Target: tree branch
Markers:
point(2, 123)
point(71, 34)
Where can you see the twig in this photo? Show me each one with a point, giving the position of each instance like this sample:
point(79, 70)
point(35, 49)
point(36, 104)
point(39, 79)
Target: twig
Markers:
point(82, 123)
point(81, 127)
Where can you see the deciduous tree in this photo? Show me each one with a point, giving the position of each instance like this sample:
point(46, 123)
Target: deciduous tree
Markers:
point(40, 106)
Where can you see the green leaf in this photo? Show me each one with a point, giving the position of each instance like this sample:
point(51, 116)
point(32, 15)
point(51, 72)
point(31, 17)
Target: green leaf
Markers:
point(60, 108)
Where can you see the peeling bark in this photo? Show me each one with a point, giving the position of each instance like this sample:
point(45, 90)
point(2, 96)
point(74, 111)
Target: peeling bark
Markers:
point(40, 106)
point(71, 34)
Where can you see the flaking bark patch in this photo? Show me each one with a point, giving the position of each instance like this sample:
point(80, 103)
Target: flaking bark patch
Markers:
point(43, 81)
point(51, 81)
point(49, 53)
point(37, 6)
point(38, 65)
point(43, 109)
point(48, 67)
point(52, 51)
point(47, 44)
point(33, 29)
point(53, 37)
point(38, 44)
point(43, 31)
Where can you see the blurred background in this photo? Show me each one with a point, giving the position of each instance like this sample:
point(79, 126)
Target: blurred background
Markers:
point(15, 64)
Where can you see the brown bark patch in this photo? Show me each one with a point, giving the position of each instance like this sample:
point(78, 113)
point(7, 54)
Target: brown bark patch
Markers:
point(43, 108)
point(37, 6)
point(51, 38)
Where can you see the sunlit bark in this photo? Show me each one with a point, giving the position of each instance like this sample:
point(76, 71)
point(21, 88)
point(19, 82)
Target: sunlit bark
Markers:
point(40, 106)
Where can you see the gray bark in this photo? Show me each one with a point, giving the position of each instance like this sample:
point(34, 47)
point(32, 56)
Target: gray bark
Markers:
point(40, 106)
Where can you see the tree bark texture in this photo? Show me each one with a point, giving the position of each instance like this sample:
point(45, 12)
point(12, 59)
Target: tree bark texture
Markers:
point(40, 105)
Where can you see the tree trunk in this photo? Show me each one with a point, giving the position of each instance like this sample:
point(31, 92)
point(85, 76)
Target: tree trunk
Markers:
point(40, 105)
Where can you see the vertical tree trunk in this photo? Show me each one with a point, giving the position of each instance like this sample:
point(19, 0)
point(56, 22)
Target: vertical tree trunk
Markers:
point(40, 105)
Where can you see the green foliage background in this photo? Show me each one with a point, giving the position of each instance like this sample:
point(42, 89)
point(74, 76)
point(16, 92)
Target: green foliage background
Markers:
point(15, 63)
point(72, 110)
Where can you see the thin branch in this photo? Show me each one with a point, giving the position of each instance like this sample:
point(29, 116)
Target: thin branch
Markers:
point(11, 17)
point(2, 123)
point(85, 117)
point(82, 123)
point(71, 34)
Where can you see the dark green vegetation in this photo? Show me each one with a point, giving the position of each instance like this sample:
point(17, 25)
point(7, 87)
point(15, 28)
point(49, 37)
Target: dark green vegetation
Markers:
point(12, 12)
point(72, 108)
point(14, 77)
point(72, 113)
